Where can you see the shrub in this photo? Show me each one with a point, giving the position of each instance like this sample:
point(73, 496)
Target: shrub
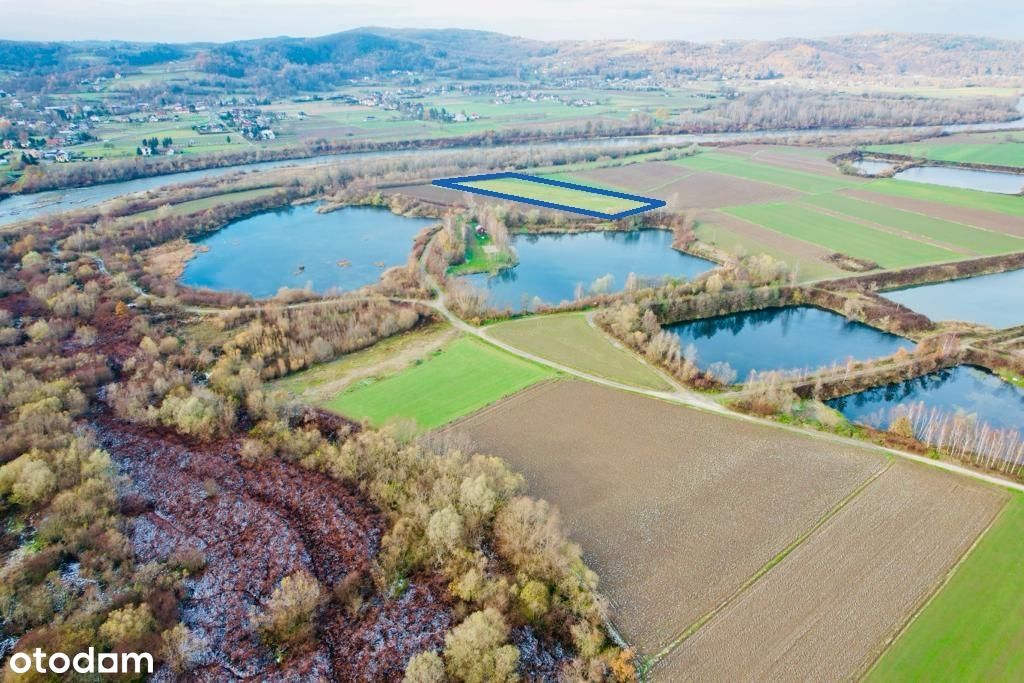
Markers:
point(183, 650)
point(127, 625)
point(426, 667)
point(475, 650)
point(289, 616)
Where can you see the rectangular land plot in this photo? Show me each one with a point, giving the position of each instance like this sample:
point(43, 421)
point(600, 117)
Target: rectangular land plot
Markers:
point(826, 611)
point(554, 194)
point(848, 237)
point(675, 508)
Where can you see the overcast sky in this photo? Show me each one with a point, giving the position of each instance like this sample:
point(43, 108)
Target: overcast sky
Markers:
point(220, 20)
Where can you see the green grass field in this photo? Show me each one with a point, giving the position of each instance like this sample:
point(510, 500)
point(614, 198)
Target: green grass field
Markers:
point(571, 341)
point(1006, 153)
point(837, 234)
point(980, 242)
point(557, 195)
point(728, 164)
point(459, 379)
point(973, 630)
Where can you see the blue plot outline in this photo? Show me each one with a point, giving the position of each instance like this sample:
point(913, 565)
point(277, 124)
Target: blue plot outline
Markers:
point(458, 184)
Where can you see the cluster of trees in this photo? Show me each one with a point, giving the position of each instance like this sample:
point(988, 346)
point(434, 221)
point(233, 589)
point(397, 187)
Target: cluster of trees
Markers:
point(154, 143)
point(961, 436)
point(68, 576)
point(639, 329)
point(282, 340)
point(794, 108)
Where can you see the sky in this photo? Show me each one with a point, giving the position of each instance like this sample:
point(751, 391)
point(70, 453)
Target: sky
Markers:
point(697, 20)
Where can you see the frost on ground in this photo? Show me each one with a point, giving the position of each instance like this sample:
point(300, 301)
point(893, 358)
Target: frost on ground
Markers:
point(255, 525)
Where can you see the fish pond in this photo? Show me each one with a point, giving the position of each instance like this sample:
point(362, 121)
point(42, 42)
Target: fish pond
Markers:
point(963, 389)
point(297, 247)
point(994, 300)
point(785, 338)
point(552, 267)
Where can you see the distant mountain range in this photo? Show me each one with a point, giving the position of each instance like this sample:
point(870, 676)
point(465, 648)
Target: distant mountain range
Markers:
point(463, 54)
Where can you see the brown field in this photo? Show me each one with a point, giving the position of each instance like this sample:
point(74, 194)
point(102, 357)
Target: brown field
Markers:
point(829, 608)
point(707, 190)
point(641, 177)
point(675, 508)
point(689, 189)
point(426, 192)
point(976, 217)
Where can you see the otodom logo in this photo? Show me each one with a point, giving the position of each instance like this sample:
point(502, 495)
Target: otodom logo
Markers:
point(87, 662)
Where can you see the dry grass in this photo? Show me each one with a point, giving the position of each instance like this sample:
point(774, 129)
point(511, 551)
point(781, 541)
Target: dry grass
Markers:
point(675, 508)
point(829, 608)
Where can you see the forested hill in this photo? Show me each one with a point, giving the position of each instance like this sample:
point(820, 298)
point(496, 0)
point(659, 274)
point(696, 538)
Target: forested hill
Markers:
point(332, 60)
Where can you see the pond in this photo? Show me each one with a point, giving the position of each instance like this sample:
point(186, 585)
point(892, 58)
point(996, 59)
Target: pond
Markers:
point(994, 300)
point(788, 338)
point(964, 389)
point(871, 166)
point(968, 178)
point(298, 247)
point(552, 266)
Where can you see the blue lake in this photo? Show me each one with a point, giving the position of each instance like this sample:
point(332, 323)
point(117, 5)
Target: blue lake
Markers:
point(995, 300)
point(551, 266)
point(789, 338)
point(961, 389)
point(298, 247)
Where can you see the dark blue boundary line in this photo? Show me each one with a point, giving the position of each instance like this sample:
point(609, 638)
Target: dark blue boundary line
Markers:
point(458, 184)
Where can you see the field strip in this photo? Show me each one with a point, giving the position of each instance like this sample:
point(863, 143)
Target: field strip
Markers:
point(976, 218)
point(891, 230)
point(653, 660)
point(759, 233)
point(931, 597)
point(878, 199)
